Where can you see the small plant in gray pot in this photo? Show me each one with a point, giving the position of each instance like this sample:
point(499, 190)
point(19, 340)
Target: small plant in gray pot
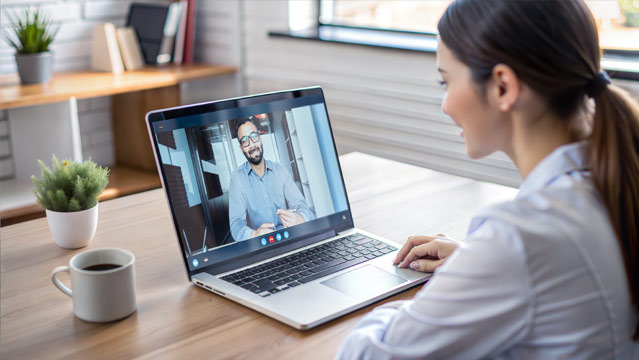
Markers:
point(69, 193)
point(31, 38)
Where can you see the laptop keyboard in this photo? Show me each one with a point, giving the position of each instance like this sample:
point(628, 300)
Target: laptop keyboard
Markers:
point(308, 265)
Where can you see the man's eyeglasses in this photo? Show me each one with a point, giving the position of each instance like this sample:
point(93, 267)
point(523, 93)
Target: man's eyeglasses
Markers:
point(254, 137)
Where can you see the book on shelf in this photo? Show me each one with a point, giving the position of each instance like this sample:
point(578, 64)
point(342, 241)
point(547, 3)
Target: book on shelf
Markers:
point(189, 36)
point(105, 52)
point(130, 49)
point(170, 32)
point(180, 37)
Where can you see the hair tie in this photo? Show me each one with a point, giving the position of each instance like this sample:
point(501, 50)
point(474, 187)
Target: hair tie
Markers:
point(597, 84)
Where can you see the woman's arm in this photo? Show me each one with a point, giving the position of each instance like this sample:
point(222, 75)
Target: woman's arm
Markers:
point(477, 304)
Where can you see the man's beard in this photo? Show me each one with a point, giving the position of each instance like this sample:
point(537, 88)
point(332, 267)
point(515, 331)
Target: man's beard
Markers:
point(257, 158)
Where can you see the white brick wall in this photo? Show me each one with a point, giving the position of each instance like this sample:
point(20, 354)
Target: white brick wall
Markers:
point(217, 40)
point(61, 13)
point(106, 10)
point(72, 51)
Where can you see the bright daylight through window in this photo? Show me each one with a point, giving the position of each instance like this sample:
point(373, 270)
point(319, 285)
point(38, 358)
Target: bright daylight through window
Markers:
point(617, 20)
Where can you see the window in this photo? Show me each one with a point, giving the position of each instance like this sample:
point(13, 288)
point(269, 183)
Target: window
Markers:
point(617, 20)
point(405, 15)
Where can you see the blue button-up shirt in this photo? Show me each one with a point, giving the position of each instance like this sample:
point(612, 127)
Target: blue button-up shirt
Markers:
point(254, 201)
point(540, 277)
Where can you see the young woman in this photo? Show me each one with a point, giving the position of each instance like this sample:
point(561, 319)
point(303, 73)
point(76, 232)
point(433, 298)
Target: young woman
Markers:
point(554, 273)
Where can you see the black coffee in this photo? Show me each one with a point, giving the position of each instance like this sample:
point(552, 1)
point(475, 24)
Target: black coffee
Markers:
point(101, 267)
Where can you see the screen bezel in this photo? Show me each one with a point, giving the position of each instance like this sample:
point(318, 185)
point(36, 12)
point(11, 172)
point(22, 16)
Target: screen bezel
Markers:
point(234, 103)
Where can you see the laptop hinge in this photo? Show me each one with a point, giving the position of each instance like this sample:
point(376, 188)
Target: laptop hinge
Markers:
point(263, 255)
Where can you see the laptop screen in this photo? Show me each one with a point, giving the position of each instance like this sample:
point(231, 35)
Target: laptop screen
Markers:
point(248, 175)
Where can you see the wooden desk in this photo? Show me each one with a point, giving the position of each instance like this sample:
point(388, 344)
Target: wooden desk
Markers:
point(177, 320)
point(37, 132)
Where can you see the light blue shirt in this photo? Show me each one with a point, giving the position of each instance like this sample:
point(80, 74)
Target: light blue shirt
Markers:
point(540, 277)
point(254, 201)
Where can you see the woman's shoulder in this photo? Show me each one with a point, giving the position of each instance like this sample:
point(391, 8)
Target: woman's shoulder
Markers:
point(562, 235)
point(568, 201)
point(564, 215)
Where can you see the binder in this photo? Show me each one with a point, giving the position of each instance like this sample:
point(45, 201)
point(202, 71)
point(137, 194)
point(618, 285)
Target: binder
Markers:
point(156, 27)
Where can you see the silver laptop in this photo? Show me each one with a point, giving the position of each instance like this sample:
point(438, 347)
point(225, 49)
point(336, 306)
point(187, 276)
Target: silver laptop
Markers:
point(260, 210)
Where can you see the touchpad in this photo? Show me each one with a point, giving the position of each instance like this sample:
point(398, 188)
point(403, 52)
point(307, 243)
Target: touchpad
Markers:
point(363, 283)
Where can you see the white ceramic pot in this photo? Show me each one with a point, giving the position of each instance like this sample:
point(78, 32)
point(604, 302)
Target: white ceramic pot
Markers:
point(72, 230)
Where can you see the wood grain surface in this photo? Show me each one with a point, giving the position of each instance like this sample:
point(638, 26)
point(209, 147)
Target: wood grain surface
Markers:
point(177, 320)
point(88, 84)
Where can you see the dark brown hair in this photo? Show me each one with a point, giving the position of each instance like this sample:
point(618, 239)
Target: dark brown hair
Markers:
point(239, 122)
point(553, 47)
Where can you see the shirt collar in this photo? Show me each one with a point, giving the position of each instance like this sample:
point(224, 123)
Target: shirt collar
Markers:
point(248, 169)
point(563, 160)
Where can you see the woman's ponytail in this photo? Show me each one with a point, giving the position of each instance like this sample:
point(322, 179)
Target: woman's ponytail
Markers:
point(614, 164)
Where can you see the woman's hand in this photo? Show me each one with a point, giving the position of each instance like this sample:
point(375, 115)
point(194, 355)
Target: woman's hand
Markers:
point(425, 253)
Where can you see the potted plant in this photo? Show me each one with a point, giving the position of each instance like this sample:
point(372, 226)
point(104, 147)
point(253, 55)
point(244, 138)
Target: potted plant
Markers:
point(69, 193)
point(32, 37)
point(630, 9)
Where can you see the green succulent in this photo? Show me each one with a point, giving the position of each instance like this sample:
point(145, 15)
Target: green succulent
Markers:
point(32, 32)
point(69, 186)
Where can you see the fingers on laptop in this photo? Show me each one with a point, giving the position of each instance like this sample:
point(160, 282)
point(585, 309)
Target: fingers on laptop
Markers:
point(426, 253)
point(410, 244)
point(425, 265)
point(426, 249)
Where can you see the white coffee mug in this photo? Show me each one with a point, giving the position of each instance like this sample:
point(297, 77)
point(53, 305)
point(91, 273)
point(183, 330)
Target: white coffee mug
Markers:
point(102, 284)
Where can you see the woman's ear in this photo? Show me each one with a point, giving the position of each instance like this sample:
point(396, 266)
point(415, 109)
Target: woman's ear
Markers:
point(504, 87)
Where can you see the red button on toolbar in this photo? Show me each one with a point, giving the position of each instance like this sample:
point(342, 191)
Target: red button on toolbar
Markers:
point(271, 239)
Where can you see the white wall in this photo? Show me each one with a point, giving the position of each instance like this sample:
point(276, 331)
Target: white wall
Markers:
point(381, 101)
point(217, 41)
point(75, 18)
point(72, 51)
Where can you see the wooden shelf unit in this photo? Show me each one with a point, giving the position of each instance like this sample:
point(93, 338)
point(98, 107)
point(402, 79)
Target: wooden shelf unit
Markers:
point(89, 84)
point(134, 93)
